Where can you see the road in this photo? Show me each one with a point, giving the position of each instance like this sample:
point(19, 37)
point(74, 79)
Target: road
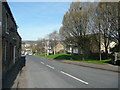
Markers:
point(44, 73)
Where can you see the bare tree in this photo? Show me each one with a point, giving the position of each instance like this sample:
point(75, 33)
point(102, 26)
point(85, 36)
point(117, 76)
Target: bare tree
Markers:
point(53, 40)
point(40, 47)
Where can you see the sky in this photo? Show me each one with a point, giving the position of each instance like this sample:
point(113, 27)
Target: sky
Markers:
point(37, 19)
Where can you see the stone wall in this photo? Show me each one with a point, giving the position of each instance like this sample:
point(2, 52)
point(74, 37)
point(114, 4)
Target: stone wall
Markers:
point(11, 41)
point(0, 45)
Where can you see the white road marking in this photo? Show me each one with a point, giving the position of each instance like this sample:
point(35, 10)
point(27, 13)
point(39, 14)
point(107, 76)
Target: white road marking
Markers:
point(74, 77)
point(50, 67)
point(42, 62)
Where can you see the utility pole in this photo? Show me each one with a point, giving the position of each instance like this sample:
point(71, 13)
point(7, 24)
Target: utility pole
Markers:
point(54, 46)
point(45, 47)
point(99, 43)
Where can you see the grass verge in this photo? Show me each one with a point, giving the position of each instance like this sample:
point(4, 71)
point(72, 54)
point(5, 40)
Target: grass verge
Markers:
point(69, 57)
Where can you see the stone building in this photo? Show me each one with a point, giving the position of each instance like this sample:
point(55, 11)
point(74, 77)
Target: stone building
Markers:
point(10, 39)
point(92, 45)
point(0, 46)
point(59, 48)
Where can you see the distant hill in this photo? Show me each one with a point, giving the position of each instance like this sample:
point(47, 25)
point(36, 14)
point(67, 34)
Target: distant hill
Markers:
point(29, 42)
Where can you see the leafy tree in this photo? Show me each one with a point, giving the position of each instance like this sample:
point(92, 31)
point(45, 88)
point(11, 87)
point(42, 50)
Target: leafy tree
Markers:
point(107, 18)
point(74, 28)
point(100, 19)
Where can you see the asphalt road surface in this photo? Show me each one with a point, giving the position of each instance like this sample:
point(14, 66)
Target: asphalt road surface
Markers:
point(43, 73)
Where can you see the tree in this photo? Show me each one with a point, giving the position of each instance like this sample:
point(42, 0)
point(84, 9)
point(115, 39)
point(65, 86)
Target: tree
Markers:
point(75, 23)
point(53, 40)
point(40, 47)
point(104, 22)
point(107, 18)
point(95, 26)
point(115, 22)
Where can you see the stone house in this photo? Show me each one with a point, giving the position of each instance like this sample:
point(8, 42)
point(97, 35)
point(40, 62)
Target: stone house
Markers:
point(59, 48)
point(92, 46)
point(11, 40)
point(0, 45)
point(50, 48)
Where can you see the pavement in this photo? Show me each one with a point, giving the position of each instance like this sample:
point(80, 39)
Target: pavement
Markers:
point(41, 72)
point(108, 67)
point(20, 81)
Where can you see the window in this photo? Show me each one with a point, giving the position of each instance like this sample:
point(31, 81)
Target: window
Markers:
point(7, 24)
point(5, 52)
point(14, 54)
point(0, 23)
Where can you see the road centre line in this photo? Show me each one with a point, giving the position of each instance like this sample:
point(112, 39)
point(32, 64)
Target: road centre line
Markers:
point(74, 77)
point(42, 62)
point(67, 74)
point(50, 67)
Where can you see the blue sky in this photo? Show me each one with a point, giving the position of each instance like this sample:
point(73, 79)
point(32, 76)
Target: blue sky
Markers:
point(37, 19)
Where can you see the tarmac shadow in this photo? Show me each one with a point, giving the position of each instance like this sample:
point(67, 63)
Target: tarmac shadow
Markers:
point(12, 74)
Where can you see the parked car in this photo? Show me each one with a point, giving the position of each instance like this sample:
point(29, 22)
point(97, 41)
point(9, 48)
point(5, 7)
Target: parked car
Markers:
point(30, 54)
